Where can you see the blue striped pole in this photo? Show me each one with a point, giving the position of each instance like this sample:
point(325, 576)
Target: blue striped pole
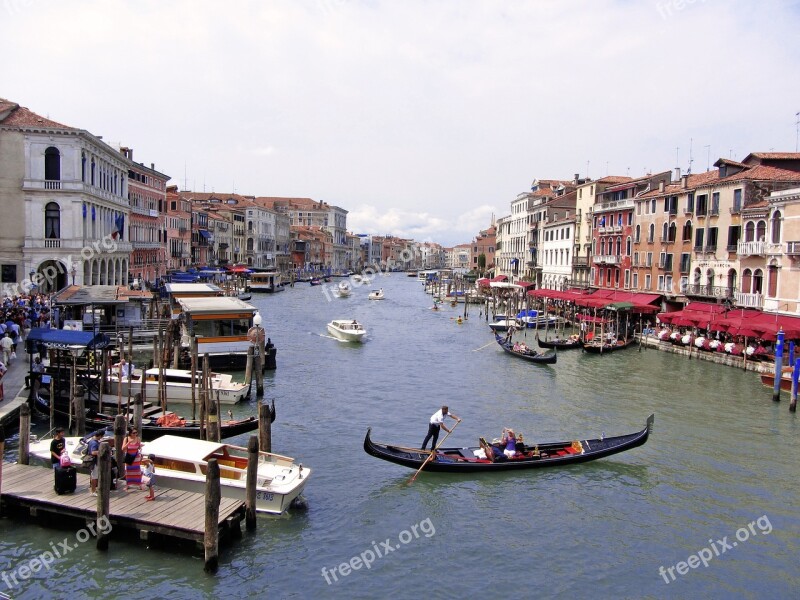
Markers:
point(791, 353)
point(795, 375)
point(776, 388)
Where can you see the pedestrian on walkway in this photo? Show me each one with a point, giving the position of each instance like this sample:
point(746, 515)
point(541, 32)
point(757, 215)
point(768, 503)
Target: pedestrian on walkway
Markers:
point(6, 348)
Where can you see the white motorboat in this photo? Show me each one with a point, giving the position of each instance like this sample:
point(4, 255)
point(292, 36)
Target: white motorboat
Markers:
point(178, 384)
point(343, 290)
point(182, 463)
point(347, 330)
point(504, 323)
point(376, 294)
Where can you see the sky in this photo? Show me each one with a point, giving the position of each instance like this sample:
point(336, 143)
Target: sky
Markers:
point(423, 119)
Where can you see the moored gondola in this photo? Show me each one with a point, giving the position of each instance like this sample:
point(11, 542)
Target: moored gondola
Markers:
point(471, 459)
point(561, 344)
point(598, 347)
point(547, 358)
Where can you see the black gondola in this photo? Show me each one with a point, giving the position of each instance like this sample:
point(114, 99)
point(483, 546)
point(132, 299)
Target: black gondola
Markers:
point(596, 347)
point(548, 358)
point(560, 344)
point(150, 429)
point(464, 460)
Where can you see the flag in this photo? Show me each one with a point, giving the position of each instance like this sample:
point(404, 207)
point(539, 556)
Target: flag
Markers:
point(93, 213)
point(603, 222)
point(619, 221)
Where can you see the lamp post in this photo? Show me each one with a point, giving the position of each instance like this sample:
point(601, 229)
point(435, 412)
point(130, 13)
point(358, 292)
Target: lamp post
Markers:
point(257, 320)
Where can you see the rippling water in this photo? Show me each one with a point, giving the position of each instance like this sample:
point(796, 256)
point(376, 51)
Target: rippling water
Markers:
point(721, 457)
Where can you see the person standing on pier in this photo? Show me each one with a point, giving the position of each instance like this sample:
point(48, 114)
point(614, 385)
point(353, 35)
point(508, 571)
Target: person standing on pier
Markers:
point(57, 447)
point(436, 423)
point(93, 451)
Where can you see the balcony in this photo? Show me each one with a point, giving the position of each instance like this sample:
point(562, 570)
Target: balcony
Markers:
point(735, 210)
point(530, 264)
point(72, 186)
point(145, 245)
point(793, 248)
point(607, 259)
point(710, 249)
point(709, 291)
point(714, 212)
point(613, 205)
point(580, 261)
point(749, 300)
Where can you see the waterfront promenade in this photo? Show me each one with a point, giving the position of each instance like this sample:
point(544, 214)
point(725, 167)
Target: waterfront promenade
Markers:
point(15, 393)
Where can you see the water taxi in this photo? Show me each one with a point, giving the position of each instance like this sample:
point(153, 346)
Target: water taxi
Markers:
point(268, 282)
point(347, 330)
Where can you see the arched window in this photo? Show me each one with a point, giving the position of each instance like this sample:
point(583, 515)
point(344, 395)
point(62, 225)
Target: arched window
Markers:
point(687, 231)
point(619, 246)
point(750, 232)
point(731, 281)
point(83, 176)
point(758, 281)
point(594, 247)
point(628, 246)
point(249, 244)
point(772, 281)
point(52, 164)
point(664, 232)
point(673, 231)
point(651, 233)
point(602, 246)
point(638, 235)
point(94, 171)
point(747, 281)
point(52, 221)
point(776, 227)
point(761, 231)
point(697, 276)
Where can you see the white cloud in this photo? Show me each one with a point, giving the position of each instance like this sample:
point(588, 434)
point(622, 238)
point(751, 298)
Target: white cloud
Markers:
point(423, 110)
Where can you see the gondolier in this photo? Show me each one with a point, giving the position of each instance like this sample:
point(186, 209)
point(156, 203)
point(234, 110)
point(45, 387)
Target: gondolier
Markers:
point(437, 422)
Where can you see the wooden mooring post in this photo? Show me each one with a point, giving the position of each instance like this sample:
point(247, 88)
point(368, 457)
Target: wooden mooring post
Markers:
point(266, 416)
point(120, 431)
point(260, 367)
point(24, 434)
point(795, 376)
point(138, 409)
point(252, 479)
point(248, 369)
point(103, 495)
point(211, 536)
point(776, 388)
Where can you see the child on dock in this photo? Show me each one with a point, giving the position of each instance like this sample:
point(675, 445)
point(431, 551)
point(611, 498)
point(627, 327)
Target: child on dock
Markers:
point(149, 475)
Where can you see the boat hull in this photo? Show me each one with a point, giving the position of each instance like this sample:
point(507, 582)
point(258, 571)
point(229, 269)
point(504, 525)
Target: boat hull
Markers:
point(347, 336)
point(548, 358)
point(560, 344)
point(177, 392)
point(463, 460)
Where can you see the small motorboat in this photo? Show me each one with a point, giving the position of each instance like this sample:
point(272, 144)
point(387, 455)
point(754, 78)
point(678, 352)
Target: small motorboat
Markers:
point(347, 330)
point(504, 323)
point(483, 458)
point(520, 350)
point(343, 290)
point(181, 464)
point(315, 281)
point(244, 297)
point(376, 294)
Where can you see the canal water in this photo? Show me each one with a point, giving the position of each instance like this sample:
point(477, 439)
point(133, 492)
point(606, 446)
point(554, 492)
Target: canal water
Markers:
point(711, 498)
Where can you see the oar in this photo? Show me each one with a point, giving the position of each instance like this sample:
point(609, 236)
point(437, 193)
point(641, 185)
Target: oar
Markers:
point(433, 453)
point(484, 346)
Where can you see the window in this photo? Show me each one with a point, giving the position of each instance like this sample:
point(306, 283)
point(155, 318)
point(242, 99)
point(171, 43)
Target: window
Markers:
point(672, 233)
point(52, 221)
point(52, 164)
point(712, 238)
point(671, 205)
point(660, 283)
point(628, 246)
point(737, 201)
point(647, 280)
point(758, 281)
point(651, 233)
point(698, 239)
point(775, 225)
point(715, 203)
point(635, 281)
point(750, 232)
point(638, 233)
point(627, 278)
point(702, 207)
point(653, 206)
point(649, 262)
point(686, 259)
point(772, 281)
point(761, 231)
point(734, 234)
point(690, 202)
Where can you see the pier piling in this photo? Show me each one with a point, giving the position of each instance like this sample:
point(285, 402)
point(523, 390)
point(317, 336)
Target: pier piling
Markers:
point(120, 431)
point(103, 494)
point(266, 416)
point(776, 389)
point(138, 409)
point(248, 370)
point(210, 538)
point(80, 411)
point(260, 370)
point(795, 375)
point(252, 478)
point(24, 434)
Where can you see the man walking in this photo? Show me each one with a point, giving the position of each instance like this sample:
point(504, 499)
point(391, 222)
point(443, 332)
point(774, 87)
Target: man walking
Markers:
point(6, 347)
point(437, 422)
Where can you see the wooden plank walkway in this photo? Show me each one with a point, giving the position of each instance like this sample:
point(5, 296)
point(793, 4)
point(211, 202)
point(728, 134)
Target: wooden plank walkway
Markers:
point(173, 513)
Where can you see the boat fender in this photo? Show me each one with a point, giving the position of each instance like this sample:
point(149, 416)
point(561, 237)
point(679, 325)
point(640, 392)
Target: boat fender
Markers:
point(300, 503)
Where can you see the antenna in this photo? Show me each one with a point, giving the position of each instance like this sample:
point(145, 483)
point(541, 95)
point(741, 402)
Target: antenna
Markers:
point(587, 175)
point(691, 158)
point(185, 182)
point(708, 157)
point(677, 159)
point(797, 131)
point(587, 169)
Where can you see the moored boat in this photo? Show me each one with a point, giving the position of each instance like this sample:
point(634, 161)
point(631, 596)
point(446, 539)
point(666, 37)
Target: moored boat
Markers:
point(599, 346)
point(347, 330)
point(570, 343)
point(474, 459)
point(504, 323)
point(178, 383)
point(520, 350)
point(268, 282)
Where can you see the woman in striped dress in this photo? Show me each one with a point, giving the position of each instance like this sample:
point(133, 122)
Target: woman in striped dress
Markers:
point(133, 460)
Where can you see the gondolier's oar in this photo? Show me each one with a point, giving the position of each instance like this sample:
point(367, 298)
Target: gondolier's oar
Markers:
point(482, 347)
point(433, 453)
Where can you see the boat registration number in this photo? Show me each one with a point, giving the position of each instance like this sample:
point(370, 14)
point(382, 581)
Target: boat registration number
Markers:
point(266, 496)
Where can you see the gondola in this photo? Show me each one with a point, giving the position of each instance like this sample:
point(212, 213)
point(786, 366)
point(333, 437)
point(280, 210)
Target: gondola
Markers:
point(468, 460)
point(560, 344)
point(548, 358)
point(150, 429)
point(595, 347)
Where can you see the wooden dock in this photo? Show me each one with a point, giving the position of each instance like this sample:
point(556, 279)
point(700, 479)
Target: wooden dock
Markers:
point(173, 514)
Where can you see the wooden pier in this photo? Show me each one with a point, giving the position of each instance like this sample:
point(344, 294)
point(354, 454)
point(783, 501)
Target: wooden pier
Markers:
point(173, 514)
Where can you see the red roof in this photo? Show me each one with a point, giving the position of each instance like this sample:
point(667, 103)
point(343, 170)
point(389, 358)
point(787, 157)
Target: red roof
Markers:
point(19, 116)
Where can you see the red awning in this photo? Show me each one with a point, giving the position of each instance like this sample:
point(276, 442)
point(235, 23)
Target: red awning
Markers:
point(482, 282)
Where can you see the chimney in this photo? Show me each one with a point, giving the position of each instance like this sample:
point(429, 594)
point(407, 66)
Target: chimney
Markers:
point(661, 186)
point(577, 177)
point(677, 173)
point(684, 182)
point(152, 166)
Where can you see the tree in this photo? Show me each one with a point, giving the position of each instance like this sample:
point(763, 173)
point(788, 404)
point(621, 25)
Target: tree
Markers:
point(481, 263)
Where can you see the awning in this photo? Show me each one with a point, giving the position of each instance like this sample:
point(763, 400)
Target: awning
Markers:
point(525, 284)
point(205, 234)
point(60, 338)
